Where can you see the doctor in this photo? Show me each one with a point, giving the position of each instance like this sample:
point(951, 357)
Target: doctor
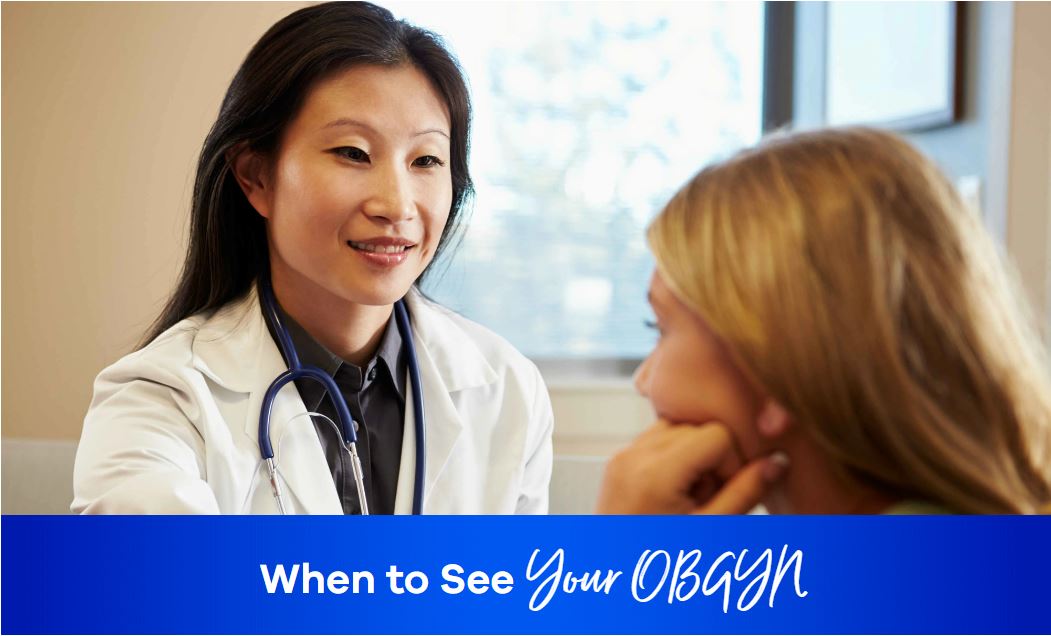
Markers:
point(336, 172)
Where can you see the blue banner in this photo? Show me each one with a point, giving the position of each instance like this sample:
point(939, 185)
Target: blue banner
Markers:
point(472, 575)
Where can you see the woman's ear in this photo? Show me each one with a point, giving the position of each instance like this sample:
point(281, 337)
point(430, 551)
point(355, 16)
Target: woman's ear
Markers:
point(773, 420)
point(250, 170)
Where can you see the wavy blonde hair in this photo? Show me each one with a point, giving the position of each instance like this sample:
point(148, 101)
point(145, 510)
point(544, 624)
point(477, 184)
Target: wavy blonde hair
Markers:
point(850, 282)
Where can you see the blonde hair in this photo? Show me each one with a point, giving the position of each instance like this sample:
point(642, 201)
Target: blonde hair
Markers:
point(849, 281)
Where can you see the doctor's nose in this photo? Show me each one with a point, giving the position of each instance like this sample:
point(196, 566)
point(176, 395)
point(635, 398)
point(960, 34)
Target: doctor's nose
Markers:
point(391, 197)
point(641, 377)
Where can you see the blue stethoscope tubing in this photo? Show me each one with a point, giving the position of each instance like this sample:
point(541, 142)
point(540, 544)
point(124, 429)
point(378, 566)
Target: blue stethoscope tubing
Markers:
point(346, 421)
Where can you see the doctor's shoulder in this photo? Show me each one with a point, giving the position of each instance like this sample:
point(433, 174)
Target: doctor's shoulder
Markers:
point(167, 360)
point(140, 449)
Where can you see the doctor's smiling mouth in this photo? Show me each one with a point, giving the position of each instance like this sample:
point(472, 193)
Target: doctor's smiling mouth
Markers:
point(383, 252)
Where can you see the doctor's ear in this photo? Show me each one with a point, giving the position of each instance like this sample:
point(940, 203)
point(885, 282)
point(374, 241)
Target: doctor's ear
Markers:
point(251, 169)
point(773, 420)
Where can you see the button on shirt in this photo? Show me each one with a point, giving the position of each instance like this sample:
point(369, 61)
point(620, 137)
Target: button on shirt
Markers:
point(375, 396)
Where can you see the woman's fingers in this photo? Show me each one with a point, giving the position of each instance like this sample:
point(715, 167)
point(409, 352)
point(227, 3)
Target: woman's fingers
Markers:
point(707, 448)
point(685, 468)
point(658, 472)
point(746, 489)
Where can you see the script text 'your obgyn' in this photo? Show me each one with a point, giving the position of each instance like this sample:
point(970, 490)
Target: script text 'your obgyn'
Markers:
point(657, 575)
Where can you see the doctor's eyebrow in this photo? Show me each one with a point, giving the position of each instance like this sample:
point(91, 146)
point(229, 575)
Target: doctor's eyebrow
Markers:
point(345, 121)
point(429, 131)
point(354, 123)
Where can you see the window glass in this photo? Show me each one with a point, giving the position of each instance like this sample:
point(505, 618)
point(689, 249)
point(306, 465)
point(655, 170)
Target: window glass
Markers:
point(588, 117)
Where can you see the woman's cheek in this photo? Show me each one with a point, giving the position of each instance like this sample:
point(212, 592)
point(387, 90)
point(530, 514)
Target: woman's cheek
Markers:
point(673, 398)
point(663, 383)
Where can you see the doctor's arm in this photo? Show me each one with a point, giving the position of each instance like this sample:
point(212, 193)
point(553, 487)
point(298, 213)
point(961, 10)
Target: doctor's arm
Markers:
point(536, 478)
point(139, 452)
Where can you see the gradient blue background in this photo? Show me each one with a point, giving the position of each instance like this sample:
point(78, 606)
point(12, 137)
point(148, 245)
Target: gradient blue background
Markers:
point(863, 575)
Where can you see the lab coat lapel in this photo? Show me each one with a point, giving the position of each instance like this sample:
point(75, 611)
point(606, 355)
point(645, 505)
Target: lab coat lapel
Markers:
point(234, 348)
point(449, 363)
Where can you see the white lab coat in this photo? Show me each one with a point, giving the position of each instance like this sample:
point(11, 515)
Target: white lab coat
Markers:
point(173, 427)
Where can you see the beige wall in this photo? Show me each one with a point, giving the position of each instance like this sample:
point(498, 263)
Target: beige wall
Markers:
point(105, 107)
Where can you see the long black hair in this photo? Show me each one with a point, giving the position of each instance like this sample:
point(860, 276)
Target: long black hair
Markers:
point(227, 249)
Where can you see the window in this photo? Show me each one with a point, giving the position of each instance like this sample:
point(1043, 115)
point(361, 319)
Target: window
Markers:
point(588, 117)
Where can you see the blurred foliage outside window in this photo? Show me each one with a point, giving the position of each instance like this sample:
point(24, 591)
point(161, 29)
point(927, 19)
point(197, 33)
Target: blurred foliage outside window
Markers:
point(587, 118)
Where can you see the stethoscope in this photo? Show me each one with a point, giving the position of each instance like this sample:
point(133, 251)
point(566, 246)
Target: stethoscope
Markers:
point(346, 426)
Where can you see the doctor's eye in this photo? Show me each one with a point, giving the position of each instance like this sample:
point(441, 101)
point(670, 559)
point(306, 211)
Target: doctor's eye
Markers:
point(650, 324)
point(427, 161)
point(351, 153)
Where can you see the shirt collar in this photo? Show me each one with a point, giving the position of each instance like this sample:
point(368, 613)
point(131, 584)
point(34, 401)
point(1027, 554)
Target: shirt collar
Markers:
point(388, 357)
point(391, 353)
point(310, 351)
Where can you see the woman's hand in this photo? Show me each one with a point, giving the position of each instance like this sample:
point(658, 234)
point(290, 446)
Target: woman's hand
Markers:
point(686, 469)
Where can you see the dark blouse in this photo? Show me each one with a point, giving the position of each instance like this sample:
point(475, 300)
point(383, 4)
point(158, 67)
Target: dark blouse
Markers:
point(375, 396)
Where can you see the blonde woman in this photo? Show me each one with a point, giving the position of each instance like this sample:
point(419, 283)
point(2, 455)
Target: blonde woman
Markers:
point(837, 336)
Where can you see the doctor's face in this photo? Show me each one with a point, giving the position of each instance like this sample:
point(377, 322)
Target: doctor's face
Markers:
point(359, 189)
point(690, 377)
